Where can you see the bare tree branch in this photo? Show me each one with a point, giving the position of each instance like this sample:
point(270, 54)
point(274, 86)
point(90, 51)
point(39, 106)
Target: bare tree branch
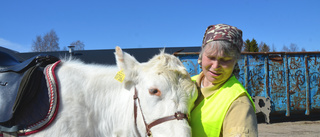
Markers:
point(78, 45)
point(49, 42)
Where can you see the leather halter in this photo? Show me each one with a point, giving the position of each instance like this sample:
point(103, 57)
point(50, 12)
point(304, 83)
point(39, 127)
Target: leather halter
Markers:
point(178, 116)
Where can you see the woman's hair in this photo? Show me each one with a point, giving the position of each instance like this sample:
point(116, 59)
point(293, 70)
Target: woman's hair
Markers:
point(221, 48)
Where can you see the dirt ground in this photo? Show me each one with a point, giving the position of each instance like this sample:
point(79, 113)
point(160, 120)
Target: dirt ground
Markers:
point(304, 128)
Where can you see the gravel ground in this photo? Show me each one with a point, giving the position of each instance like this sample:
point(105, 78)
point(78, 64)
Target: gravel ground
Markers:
point(290, 129)
point(299, 126)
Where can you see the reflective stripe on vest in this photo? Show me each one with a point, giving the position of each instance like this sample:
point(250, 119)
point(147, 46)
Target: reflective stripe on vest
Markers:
point(207, 118)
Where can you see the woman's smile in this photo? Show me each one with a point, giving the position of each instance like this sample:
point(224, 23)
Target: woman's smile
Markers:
point(214, 74)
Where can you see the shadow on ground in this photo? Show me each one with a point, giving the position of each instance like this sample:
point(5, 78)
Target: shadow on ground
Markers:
point(293, 118)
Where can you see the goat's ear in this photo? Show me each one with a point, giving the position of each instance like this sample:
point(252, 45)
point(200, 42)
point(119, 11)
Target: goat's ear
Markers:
point(127, 64)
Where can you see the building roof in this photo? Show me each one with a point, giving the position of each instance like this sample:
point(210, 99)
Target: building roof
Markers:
point(107, 56)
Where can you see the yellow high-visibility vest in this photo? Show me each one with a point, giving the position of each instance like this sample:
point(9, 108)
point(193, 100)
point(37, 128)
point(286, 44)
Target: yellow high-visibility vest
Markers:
point(194, 78)
point(207, 118)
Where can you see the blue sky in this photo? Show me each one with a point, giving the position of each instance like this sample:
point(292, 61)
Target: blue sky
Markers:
point(104, 24)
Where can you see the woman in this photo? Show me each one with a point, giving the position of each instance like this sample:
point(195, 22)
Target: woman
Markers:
point(223, 108)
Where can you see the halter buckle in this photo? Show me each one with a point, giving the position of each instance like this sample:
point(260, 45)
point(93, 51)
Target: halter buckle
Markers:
point(180, 116)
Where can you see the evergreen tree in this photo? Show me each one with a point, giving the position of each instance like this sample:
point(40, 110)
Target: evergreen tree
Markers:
point(263, 47)
point(251, 46)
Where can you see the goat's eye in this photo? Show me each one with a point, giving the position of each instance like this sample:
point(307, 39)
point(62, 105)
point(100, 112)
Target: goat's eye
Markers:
point(155, 91)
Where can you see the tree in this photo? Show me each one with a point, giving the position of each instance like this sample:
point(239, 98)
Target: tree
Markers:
point(78, 45)
point(49, 42)
point(293, 48)
point(251, 46)
point(285, 49)
point(303, 50)
point(246, 45)
point(273, 48)
point(263, 47)
point(37, 44)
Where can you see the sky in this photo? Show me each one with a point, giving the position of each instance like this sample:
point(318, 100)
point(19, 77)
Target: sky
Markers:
point(105, 24)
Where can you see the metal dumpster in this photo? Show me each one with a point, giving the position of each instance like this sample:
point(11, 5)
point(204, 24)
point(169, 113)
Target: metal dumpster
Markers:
point(281, 83)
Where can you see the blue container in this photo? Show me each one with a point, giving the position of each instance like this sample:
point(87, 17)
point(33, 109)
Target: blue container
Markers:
point(281, 83)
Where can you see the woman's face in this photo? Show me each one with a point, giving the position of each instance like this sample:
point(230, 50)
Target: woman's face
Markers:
point(217, 68)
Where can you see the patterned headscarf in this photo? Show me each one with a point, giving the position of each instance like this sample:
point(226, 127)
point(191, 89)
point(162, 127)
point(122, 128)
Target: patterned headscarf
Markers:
point(223, 32)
